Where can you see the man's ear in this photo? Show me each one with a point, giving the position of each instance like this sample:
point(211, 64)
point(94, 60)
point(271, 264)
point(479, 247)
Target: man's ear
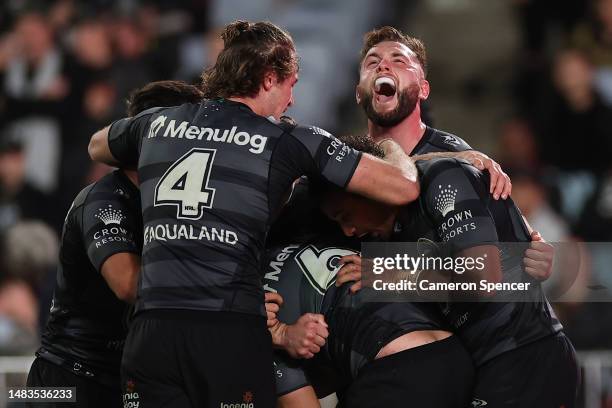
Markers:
point(424, 92)
point(357, 95)
point(269, 80)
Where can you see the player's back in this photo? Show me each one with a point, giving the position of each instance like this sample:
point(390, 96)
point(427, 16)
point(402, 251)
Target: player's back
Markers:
point(213, 175)
point(456, 208)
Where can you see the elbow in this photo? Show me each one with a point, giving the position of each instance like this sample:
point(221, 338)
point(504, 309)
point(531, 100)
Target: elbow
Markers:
point(126, 293)
point(92, 148)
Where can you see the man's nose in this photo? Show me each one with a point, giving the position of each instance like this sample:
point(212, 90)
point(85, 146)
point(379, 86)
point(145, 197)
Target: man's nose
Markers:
point(348, 230)
point(383, 66)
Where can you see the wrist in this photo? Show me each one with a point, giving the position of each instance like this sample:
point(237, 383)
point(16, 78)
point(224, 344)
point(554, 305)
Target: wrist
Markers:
point(279, 335)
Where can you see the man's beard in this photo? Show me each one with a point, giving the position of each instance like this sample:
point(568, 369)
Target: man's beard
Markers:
point(407, 100)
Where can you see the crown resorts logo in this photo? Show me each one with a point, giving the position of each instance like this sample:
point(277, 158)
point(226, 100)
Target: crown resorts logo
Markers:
point(445, 201)
point(109, 215)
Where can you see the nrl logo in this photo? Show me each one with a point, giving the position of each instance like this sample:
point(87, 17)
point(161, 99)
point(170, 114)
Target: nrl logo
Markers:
point(450, 140)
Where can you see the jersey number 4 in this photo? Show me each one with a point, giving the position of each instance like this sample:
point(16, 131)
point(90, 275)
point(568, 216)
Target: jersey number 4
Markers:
point(185, 184)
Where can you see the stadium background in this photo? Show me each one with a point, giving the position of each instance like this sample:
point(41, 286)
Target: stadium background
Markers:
point(526, 81)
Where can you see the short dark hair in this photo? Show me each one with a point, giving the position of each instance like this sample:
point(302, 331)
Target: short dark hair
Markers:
point(363, 143)
point(162, 93)
point(250, 50)
point(388, 33)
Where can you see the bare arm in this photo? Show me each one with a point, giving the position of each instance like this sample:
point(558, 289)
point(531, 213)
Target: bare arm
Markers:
point(393, 180)
point(304, 397)
point(99, 149)
point(121, 274)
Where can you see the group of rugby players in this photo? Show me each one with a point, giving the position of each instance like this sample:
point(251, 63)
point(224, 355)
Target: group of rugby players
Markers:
point(215, 187)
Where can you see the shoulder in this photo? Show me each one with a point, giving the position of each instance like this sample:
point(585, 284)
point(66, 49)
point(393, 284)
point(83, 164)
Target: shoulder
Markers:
point(433, 173)
point(448, 141)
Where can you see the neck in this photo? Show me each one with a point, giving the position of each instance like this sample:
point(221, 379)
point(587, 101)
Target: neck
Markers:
point(132, 175)
point(255, 104)
point(407, 133)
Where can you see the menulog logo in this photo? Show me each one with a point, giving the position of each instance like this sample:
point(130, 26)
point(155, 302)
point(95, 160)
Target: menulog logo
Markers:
point(185, 130)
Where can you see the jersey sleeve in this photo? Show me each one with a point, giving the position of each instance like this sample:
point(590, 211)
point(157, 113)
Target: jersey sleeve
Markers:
point(315, 152)
point(109, 227)
point(125, 136)
point(455, 199)
point(289, 373)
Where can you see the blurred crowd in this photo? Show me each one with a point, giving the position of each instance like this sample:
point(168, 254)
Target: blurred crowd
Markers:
point(558, 142)
point(67, 67)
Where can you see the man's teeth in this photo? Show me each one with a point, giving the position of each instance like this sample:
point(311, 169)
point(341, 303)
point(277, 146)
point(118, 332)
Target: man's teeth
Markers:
point(383, 80)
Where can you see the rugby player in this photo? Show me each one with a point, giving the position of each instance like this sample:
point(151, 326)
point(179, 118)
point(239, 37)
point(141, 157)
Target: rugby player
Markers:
point(519, 349)
point(213, 176)
point(373, 354)
point(392, 84)
point(303, 275)
point(97, 275)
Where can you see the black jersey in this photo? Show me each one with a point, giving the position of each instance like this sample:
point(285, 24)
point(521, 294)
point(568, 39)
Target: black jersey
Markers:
point(213, 176)
point(302, 220)
point(87, 323)
point(456, 208)
point(435, 140)
point(304, 275)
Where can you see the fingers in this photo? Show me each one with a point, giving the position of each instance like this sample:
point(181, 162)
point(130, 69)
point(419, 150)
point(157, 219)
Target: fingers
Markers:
point(538, 254)
point(536, 236)
point(348, 273)
point(507, 185)
point(272, 308)
point(494, 174)
point(540, 270)
point(356, 287)
point(532, 263)
point(274, 298)
point(498, 189)
point(316, 318)
point(355, 258)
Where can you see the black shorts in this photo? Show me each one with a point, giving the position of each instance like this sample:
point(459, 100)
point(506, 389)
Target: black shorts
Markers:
point(89, 393)
point(183, 358)
point(438, 374)
point(542, 374)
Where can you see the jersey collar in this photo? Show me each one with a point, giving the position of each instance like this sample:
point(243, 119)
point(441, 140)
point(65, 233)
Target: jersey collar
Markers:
point(229, 102)
point(424, 140)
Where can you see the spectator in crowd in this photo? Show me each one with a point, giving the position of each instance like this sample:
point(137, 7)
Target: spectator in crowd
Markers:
point(517, 145)
point(30, 252)
point(532, 198)
point(572, 118)
point(594, 38)
point(18, 198)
